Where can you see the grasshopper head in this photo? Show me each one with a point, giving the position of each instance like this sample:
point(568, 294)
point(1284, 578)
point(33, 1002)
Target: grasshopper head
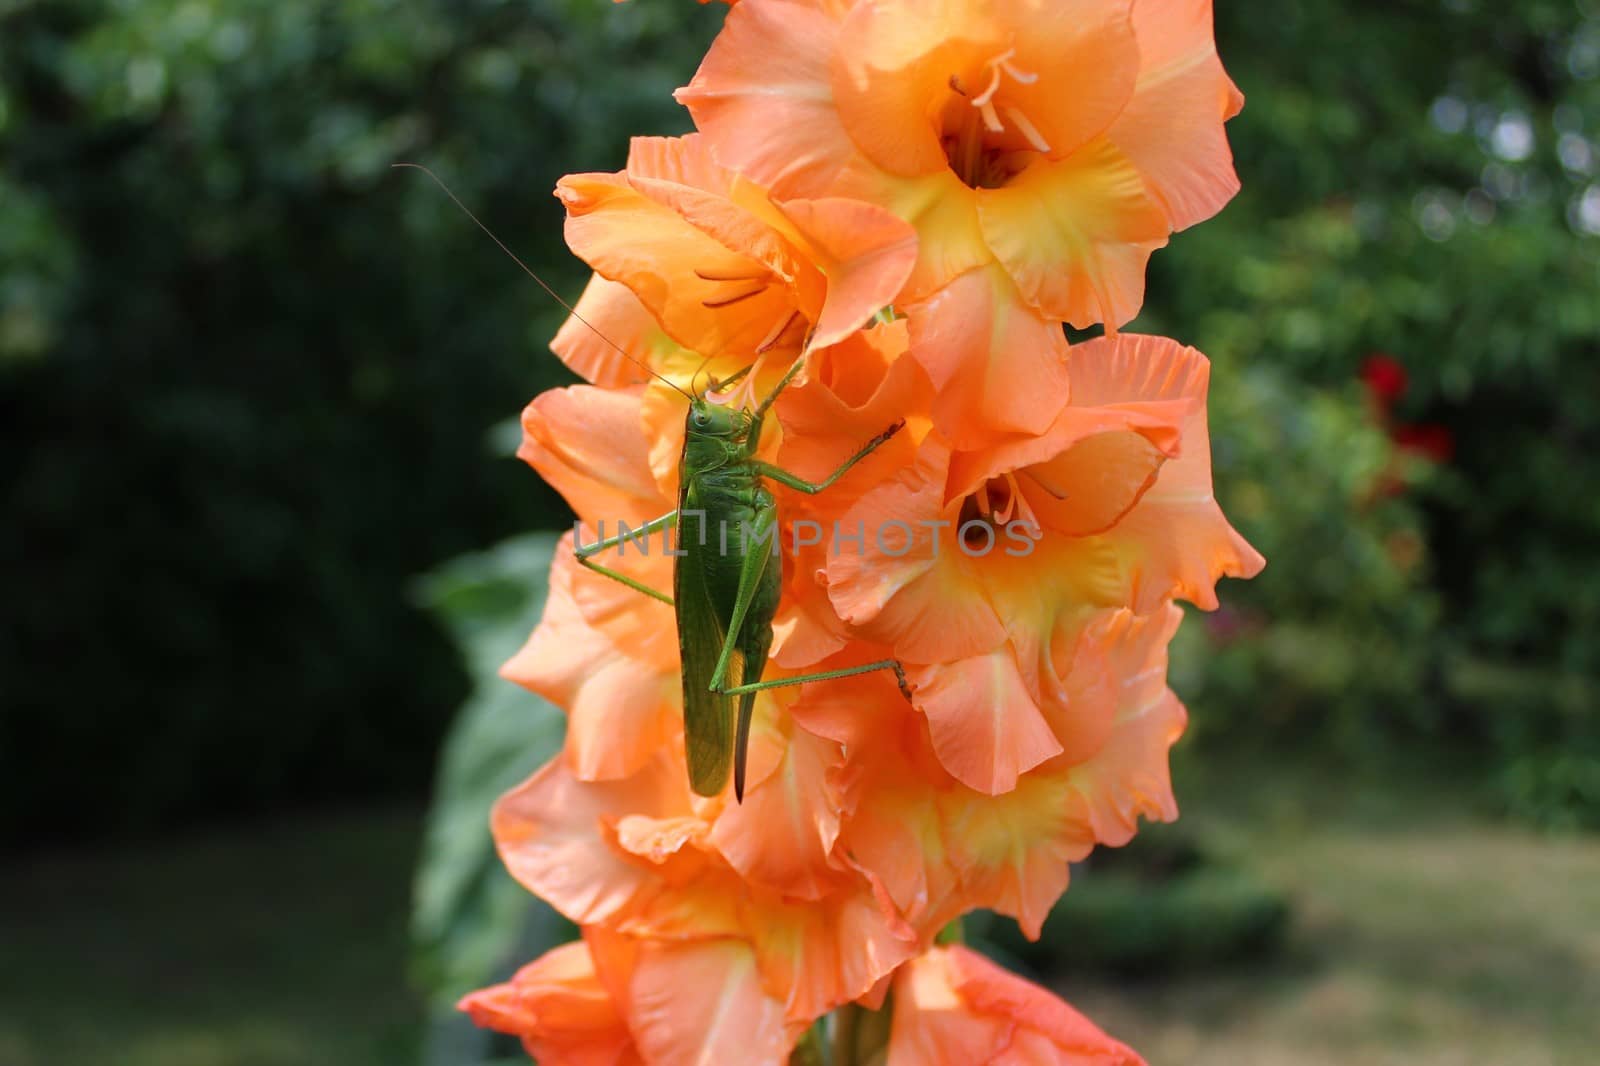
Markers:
point(707, 419)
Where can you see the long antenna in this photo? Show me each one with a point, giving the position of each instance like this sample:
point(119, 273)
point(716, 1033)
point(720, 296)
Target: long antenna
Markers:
point(540, 281)
point(696, 375)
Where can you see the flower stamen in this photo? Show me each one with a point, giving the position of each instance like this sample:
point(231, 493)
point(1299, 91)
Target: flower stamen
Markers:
point(995, 65)
point(1017, 73)
point(975, 157)
point(706, 275)
point(991, 121)
point(725, 301)
point(771, 340)
point(1002, 516)
point(985, 102)
point(1028, 129)
point(1000, 503)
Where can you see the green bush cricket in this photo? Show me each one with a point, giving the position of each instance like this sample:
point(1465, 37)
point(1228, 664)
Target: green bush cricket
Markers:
point(724, 600)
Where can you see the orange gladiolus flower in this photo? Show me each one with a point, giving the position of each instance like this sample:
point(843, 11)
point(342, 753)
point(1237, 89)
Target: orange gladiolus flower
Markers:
point(953, 1007)
point(942, 848)
point(1000, 556)
point(724, 269)
point(1064, 139)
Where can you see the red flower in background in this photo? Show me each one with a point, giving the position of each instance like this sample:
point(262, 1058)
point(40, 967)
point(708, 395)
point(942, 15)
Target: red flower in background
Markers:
point(1386, 380)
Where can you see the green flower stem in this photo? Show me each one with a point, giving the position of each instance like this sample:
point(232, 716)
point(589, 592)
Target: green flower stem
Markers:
point(846, 1022)
point(861, 1036)
point(811, 1051)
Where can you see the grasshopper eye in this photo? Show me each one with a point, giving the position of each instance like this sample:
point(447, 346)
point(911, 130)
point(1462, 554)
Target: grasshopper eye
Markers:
point(701, 418)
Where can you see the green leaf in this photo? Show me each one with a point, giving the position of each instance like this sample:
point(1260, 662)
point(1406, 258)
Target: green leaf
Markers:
point(471, 923)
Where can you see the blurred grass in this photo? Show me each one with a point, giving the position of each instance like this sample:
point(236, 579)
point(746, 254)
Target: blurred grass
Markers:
point(1425, 932)
point(272, 944)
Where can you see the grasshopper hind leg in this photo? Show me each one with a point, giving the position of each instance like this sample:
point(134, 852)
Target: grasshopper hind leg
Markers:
point(747, 695)
point(585, 554)
point(755, 644)
point(741, 744)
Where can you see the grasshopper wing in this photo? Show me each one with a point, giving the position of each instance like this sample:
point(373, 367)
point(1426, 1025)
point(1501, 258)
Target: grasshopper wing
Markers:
point(707, 715)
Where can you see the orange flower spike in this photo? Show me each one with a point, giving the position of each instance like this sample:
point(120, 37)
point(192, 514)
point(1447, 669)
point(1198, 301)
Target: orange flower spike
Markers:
point(723, 268)
point(953, 1007)
point(1064, 138)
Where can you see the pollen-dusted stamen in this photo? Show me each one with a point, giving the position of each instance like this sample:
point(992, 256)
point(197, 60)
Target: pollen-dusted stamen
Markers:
point(757, 277)
point(725, 301)
point(706, 275)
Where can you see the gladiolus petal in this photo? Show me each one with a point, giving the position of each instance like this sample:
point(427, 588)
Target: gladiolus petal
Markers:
point(1075, 234)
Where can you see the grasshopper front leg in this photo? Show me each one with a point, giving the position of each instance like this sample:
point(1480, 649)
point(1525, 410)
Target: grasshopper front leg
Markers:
point(811, 488)
point(584, 552)
point(755, 563)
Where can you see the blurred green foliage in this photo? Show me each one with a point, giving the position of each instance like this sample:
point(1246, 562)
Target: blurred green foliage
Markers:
point(471, 923)
point(1422, 180)
point(1160, 905)
point(246, 374)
